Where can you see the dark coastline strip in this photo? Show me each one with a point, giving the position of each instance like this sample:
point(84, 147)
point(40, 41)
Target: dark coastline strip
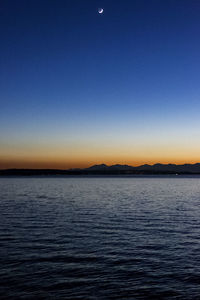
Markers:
point(54, 172)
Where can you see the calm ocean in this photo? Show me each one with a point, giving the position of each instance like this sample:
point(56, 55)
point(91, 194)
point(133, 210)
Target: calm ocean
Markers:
point(100, 238)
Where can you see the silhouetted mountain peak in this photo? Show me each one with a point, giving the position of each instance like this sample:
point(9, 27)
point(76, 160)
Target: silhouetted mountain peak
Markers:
point(104, 167)
point(97, 167)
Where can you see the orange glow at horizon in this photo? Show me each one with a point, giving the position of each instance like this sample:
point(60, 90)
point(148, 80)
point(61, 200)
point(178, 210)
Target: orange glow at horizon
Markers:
point(67, 164)
point(81, 155)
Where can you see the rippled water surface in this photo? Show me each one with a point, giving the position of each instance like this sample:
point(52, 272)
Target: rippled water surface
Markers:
point(100, 238)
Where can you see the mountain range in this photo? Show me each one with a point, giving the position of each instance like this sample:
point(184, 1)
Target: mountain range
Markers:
point(156, 168)
point(104, 169)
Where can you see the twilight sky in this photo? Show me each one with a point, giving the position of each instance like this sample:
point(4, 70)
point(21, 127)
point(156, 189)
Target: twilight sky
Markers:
point(78, 88)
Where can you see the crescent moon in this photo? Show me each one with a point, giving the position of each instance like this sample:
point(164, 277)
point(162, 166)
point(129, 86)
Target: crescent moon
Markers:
point(100, 10)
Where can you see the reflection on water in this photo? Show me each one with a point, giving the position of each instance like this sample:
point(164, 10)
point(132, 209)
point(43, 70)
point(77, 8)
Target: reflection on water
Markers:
point(100, 238)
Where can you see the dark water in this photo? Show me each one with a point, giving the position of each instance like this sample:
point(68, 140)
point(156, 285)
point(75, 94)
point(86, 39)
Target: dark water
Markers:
point(100, 238)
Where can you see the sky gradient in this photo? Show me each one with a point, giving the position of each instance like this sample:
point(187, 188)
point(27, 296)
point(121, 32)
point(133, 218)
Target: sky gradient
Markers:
point(78, 88)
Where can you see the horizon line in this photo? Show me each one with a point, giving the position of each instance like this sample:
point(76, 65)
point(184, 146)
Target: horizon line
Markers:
point(103, 164)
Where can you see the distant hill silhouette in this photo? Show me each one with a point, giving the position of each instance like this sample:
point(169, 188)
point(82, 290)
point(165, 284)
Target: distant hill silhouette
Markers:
point(146, 169)
point(103, 169)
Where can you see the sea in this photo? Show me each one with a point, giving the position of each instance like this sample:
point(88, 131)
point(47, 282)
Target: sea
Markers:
point(100, 237)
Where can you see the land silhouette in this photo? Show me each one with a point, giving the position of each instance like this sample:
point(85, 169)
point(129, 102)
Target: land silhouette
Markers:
point(103, 169)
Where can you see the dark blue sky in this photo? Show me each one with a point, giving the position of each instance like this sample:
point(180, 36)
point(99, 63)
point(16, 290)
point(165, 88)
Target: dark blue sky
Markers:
point(79, 79)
